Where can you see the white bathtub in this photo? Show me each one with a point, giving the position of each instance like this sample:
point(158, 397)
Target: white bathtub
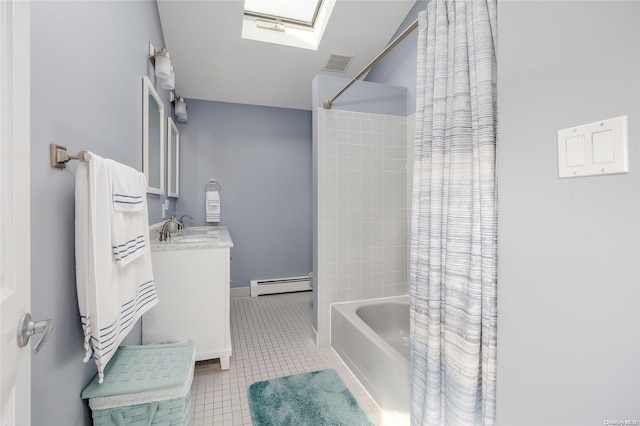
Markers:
point(372, 338)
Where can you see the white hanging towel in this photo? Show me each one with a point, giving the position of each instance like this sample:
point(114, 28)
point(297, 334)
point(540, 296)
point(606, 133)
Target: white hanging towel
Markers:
point(114, 289)
point(127, 230)
point(212, 206)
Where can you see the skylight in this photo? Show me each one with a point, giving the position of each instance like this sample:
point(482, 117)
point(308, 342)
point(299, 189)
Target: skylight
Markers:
point(297, 12)
point(294, 23)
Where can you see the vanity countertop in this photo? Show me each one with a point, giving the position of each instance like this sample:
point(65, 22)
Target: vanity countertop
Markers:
point(193, 237)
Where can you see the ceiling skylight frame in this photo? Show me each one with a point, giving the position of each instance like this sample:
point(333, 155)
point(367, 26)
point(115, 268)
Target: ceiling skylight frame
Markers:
point(285, 20)
point(291, 35)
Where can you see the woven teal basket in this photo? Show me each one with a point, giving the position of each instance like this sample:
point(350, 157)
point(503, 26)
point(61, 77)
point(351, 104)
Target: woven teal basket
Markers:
point(144, 385)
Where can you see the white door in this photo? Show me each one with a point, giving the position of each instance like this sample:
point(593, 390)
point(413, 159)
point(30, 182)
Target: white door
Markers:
point(15, 287)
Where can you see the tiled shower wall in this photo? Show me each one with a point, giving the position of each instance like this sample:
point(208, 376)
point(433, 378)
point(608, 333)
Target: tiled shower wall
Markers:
point(362, 209)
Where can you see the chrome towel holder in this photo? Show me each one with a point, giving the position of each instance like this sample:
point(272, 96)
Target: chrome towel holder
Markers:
point(213, 185)
point(60, 157)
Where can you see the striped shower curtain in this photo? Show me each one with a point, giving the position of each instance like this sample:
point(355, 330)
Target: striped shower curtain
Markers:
point(454, 217)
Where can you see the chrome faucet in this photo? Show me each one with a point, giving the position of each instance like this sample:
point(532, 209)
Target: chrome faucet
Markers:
point(165, 233)
point(181, 220)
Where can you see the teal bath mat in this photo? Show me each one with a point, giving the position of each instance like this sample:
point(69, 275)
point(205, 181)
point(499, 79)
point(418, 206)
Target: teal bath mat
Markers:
point(307, 399)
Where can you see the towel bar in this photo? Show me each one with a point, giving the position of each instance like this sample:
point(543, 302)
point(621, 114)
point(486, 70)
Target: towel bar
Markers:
point(60, 157)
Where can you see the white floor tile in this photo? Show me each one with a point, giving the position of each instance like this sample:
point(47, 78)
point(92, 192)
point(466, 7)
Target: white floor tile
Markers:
point(271, 337)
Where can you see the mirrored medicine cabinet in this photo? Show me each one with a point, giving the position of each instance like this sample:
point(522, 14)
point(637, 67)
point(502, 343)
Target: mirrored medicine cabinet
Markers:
point(153, 143)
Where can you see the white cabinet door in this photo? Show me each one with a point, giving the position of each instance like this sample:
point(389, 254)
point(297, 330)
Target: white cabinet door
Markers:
point(193, 293)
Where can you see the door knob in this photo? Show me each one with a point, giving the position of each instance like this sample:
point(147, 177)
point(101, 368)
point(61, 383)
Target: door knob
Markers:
point(27, 328)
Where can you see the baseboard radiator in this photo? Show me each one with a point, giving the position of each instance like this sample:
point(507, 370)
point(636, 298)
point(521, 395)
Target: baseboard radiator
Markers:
point(280, 285)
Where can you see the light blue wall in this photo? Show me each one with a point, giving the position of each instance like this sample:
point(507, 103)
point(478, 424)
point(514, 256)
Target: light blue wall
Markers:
point(569, 276)
point(399, 66)
point(87, 63)
point(261, 156)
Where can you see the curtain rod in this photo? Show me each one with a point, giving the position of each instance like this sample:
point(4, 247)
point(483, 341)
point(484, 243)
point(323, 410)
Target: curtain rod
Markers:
point(394, 43)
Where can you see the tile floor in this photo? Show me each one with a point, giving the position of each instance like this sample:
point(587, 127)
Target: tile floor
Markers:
point(271, 337)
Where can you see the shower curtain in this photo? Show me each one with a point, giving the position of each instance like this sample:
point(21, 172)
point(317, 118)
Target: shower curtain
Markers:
point(454, 216)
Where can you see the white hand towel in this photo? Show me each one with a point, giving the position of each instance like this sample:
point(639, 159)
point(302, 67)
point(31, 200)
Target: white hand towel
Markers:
point(127, 234)
point(213, 198)
point(110, 298)
point(212, 206)
point(128, 188)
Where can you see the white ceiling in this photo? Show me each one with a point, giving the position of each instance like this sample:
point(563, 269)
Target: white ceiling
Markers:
point(213, 62)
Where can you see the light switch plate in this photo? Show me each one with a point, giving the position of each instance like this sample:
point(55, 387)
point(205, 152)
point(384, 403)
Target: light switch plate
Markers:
point(598, 148)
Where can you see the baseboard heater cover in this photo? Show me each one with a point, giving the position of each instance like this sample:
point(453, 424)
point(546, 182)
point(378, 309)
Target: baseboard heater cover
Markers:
point(279, 285)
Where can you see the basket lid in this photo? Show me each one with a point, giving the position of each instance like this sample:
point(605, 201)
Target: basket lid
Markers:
point(143, 368)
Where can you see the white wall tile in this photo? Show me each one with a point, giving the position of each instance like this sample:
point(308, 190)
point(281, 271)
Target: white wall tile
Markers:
point(363, 208)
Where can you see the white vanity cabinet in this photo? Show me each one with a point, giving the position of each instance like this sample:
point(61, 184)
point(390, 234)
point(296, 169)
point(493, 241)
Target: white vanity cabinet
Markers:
point(192, 283)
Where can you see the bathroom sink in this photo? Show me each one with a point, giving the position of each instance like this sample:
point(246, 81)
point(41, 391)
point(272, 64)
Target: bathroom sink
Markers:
point(186, 239)
point(194, 237)
point(202, 231)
